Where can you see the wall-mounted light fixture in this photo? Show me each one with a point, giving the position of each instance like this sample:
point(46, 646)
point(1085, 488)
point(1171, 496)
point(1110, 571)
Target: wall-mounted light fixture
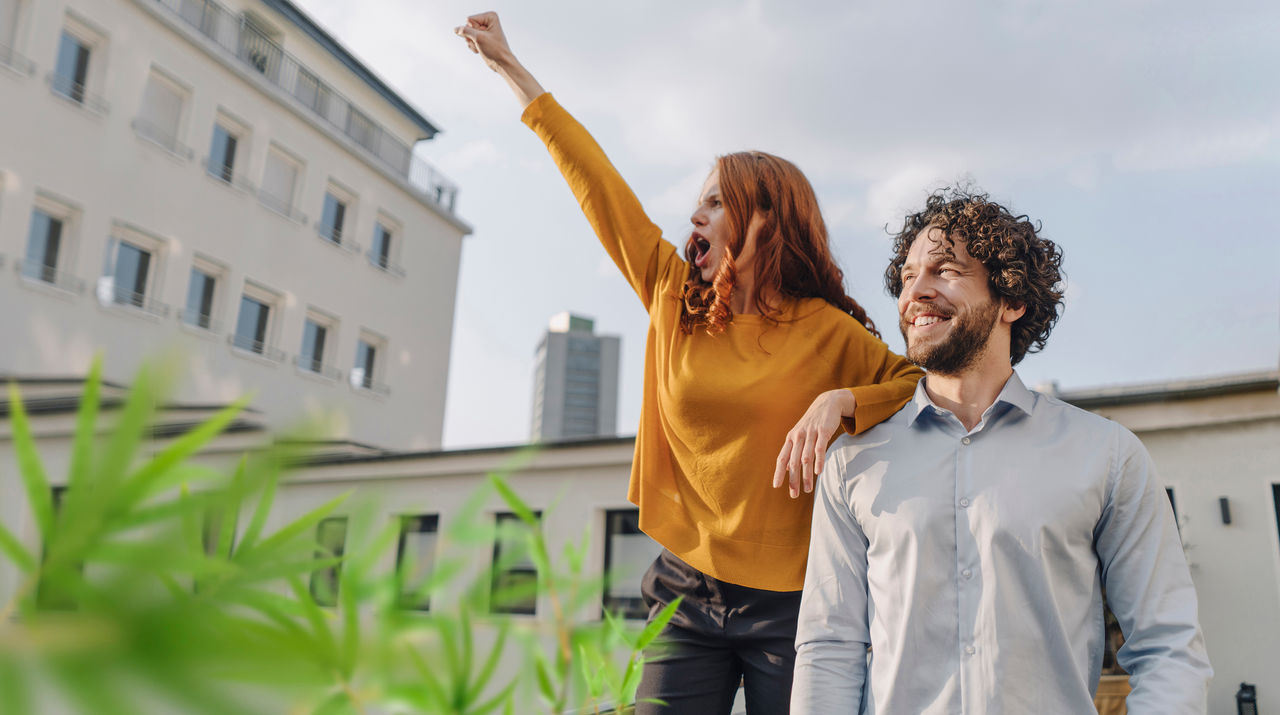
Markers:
point(1226, 509)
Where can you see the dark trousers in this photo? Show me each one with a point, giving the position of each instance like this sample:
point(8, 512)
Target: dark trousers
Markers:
point(721, 634)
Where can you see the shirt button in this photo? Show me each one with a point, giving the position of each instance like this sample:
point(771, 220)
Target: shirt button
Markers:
point(964, 503)
point(970, 650)
point(967, 573)
point(966, 440)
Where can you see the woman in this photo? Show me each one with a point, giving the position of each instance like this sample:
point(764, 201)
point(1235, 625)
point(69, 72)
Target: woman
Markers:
point(752, 327)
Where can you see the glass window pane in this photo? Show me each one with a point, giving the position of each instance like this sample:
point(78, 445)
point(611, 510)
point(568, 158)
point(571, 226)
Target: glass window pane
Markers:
point(514, 585)
point(628, 554)
point(416, 558)
point(72, 69)
point(43, 244)
point(313, 339)
point(332, 217)
point(222, 153)
point(382, 245)
point(131, 274)
point(251, 325)
point(199, 298)
point(331, 535)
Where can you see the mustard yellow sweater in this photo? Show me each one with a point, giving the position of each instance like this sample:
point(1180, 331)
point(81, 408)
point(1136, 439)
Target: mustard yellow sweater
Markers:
point(717, 409)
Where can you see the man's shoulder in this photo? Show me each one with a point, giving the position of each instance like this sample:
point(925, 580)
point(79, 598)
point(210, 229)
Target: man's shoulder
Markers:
point(881, 439)
point(1079, 421)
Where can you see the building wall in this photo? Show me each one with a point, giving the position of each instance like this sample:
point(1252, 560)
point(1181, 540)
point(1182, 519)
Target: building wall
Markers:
point(118, 182)
point(569, 361)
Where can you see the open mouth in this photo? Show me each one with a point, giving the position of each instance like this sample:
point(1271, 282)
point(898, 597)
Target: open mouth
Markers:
point(702, 247)
point(927, 320)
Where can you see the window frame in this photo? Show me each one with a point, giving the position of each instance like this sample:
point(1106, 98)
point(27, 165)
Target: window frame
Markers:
point(287, 208)
point(520, 569)
point(405, 598)
point(334, 572)
point(63, 277)
point(629, 608)
point(325, 367)
point(93, 40)
point(145, 302)
point(218, 273)
point(273, 301)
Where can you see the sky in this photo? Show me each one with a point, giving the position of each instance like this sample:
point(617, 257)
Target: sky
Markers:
point(1144, 136)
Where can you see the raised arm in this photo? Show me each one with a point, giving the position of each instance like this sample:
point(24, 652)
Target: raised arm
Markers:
point(485, 37)
point(1149, 589)
point(633, 241)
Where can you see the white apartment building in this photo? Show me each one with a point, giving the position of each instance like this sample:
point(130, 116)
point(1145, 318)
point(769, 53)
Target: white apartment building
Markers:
point(223, 180)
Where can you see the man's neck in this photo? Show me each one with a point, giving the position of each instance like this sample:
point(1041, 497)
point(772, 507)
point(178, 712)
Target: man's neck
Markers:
point(968, 394)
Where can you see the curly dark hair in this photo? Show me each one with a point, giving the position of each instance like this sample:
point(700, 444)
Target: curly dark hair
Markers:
point(1023, 268)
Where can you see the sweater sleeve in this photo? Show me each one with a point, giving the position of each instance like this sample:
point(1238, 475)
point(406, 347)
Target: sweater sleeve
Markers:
point(633, 241)
point(885, 382)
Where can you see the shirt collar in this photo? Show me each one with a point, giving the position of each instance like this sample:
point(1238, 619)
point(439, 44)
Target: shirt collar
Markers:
point(1014, 393)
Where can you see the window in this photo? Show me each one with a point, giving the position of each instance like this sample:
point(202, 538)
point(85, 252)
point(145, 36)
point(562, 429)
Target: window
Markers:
point(160, 116)
point(251, 324)
point(130, 279)
point(415, 559)
point(222, 153)
point(514, 587)
point(10, 13)
point(380, 253)
point(628, 552)
point(44, 242)
point(71, 73)
point(279, 181)
point(333, 217)
point(200, 292)
point(364, 374)
point(317, 333)
point(331, 535)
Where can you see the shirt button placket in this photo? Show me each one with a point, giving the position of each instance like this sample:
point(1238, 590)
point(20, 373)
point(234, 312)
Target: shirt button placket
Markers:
point(966, 556)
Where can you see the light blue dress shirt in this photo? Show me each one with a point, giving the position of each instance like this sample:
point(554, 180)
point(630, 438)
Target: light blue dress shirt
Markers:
point(972, 564)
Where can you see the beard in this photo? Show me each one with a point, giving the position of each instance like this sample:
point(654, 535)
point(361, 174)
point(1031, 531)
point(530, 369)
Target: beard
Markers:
point(970, 332)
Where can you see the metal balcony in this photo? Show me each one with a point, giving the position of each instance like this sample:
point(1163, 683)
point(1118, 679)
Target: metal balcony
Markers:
point(318, 367)
point(258, 347)
point(77, 93)
point(12, 60)
point(161, 137)
point(237, 35)
point(38, 270)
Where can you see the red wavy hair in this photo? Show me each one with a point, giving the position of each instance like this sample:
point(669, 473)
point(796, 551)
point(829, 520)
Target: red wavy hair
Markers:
point(793, 257)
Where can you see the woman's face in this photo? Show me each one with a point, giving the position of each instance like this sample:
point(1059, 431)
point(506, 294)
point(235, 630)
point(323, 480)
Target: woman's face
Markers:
point(711, 237)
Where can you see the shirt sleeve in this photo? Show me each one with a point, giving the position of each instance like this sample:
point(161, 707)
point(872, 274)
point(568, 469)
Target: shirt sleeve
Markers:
point(885, 383)
point(1149, 589)
point(633, 241)
point(832, 634)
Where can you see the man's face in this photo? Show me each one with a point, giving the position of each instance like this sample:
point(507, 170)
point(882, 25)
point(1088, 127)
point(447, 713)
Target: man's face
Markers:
point(946, 310)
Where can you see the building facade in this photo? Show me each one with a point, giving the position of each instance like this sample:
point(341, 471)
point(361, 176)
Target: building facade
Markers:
point(575, 383)
point(224, 181)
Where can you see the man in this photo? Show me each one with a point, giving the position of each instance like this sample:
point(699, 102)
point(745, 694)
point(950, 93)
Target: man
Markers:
point(967, 540)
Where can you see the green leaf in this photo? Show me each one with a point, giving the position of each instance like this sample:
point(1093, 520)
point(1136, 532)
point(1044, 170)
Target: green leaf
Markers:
point(147, 478)
point(86, 420)
point(545, 683)
point(434, 689)
point(263, 508)
point(16, 552)
point(502, 699)
point(292, 530)
point(655, 626)
point(15, 696)
point(318, 621)
point(39, 496)
point(514, 502)
point(129, 430)
point(491, 662)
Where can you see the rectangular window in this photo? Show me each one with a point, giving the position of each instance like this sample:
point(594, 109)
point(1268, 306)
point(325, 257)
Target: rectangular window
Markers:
point(71, 73)
point(160, 117)
point(251, 325)
point(514, 587)
point(628, 552)
point(331, 535)
point(130, 276)
point(279, 182)
point(333, 217)
point(44, 241)
point(415, 559)
point(366, 362)
point(199, 310)
point(380, 254)
point(313, 340)
point(222, 153)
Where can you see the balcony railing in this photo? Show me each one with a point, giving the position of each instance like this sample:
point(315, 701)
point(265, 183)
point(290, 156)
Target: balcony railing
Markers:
point(361, 381)
point(196, 319)
point(40, 271)
point(238, 36)
point(68, 88)
point(252, 345)
point(318, 367)
point(161, 137)
point(11, 59)
point(384, 263)
point(280, 206)
point(111, 294)
point(335, 235)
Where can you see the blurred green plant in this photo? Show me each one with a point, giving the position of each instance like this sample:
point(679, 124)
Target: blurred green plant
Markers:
point(142, 598)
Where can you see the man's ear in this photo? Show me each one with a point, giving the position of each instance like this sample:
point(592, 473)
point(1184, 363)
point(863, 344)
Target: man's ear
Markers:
point(1010, 312)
